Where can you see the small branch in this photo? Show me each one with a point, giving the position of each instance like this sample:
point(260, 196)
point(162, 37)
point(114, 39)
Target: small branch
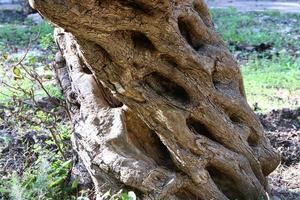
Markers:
point(57, 143)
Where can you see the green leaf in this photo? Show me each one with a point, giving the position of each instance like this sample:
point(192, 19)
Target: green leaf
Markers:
point(5, 56)
point(32, 60)
point(66, 164)
point(17, 72)
point(29, 181)
point(56, 182)
point(75, 183)
point(131, 195)
point(125, 196)
point(117, 195)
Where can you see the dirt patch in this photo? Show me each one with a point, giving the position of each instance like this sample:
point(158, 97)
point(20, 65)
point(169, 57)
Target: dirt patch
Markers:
point(284, 182)
point(283, 129)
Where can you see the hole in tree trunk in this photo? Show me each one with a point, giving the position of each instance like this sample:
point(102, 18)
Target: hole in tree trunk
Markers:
point(227, 88)
point(199, 128)
point(137, 6)
point(235, 119)
point(226, 184)
point(148, 142)
point(253, 140)
point(187, 31)
point(111, 100)
point(140, 41)
point(225, 81)
point(167, 88)
point(168, 60)
point(86, 70)
point(137, 66)
point(164, 157)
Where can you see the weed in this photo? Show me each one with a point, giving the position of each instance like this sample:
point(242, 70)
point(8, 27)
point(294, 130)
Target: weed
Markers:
point(47, 40)
point(120, 195)
point(33, 102)
point(17, 192)
point(46, 180)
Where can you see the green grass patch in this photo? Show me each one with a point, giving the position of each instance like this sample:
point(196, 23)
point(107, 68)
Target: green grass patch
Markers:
point(257, 27)
point(278, 72)
point(272, 83)
point(19, 35)
point(271, 77)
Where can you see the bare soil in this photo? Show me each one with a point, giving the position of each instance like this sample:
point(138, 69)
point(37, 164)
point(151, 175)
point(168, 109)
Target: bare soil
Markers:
point(283, 129)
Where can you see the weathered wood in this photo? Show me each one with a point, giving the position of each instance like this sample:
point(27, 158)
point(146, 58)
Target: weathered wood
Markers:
point(183, 129)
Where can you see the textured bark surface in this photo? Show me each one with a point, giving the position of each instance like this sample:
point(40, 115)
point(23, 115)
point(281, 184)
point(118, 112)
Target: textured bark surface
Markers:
point(157, 101)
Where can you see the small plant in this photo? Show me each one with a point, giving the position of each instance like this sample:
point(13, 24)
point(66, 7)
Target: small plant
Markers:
point(47, 40)
point(120, 195)
point(45, 180)
point(35, 109)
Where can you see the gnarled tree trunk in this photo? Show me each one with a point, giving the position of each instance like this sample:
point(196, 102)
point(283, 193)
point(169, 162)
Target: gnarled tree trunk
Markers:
point(157, 101)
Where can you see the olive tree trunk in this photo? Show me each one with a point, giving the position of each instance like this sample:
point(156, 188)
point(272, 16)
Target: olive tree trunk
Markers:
point(157, 100)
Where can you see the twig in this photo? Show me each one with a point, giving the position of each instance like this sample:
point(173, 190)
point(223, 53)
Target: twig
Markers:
point(57, 143)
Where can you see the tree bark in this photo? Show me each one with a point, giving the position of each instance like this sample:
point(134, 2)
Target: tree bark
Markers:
point(157, 101)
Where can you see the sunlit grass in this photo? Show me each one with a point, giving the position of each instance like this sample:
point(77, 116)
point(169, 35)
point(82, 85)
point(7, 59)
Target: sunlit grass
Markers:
point(257, 27)
point(273, 83)
point(271, 78)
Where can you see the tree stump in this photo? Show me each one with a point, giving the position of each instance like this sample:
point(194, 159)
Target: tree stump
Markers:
point(157, 100)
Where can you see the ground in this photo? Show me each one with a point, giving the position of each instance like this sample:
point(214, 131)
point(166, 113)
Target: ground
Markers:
point(283, 129)
point(267, 45)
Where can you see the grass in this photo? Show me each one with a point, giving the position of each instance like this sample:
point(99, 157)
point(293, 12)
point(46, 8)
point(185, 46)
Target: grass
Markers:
point(19, 34)
point(271, 77)
point(279, 72)
point(39, 182)
point(272, 83)
point(258, 27)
